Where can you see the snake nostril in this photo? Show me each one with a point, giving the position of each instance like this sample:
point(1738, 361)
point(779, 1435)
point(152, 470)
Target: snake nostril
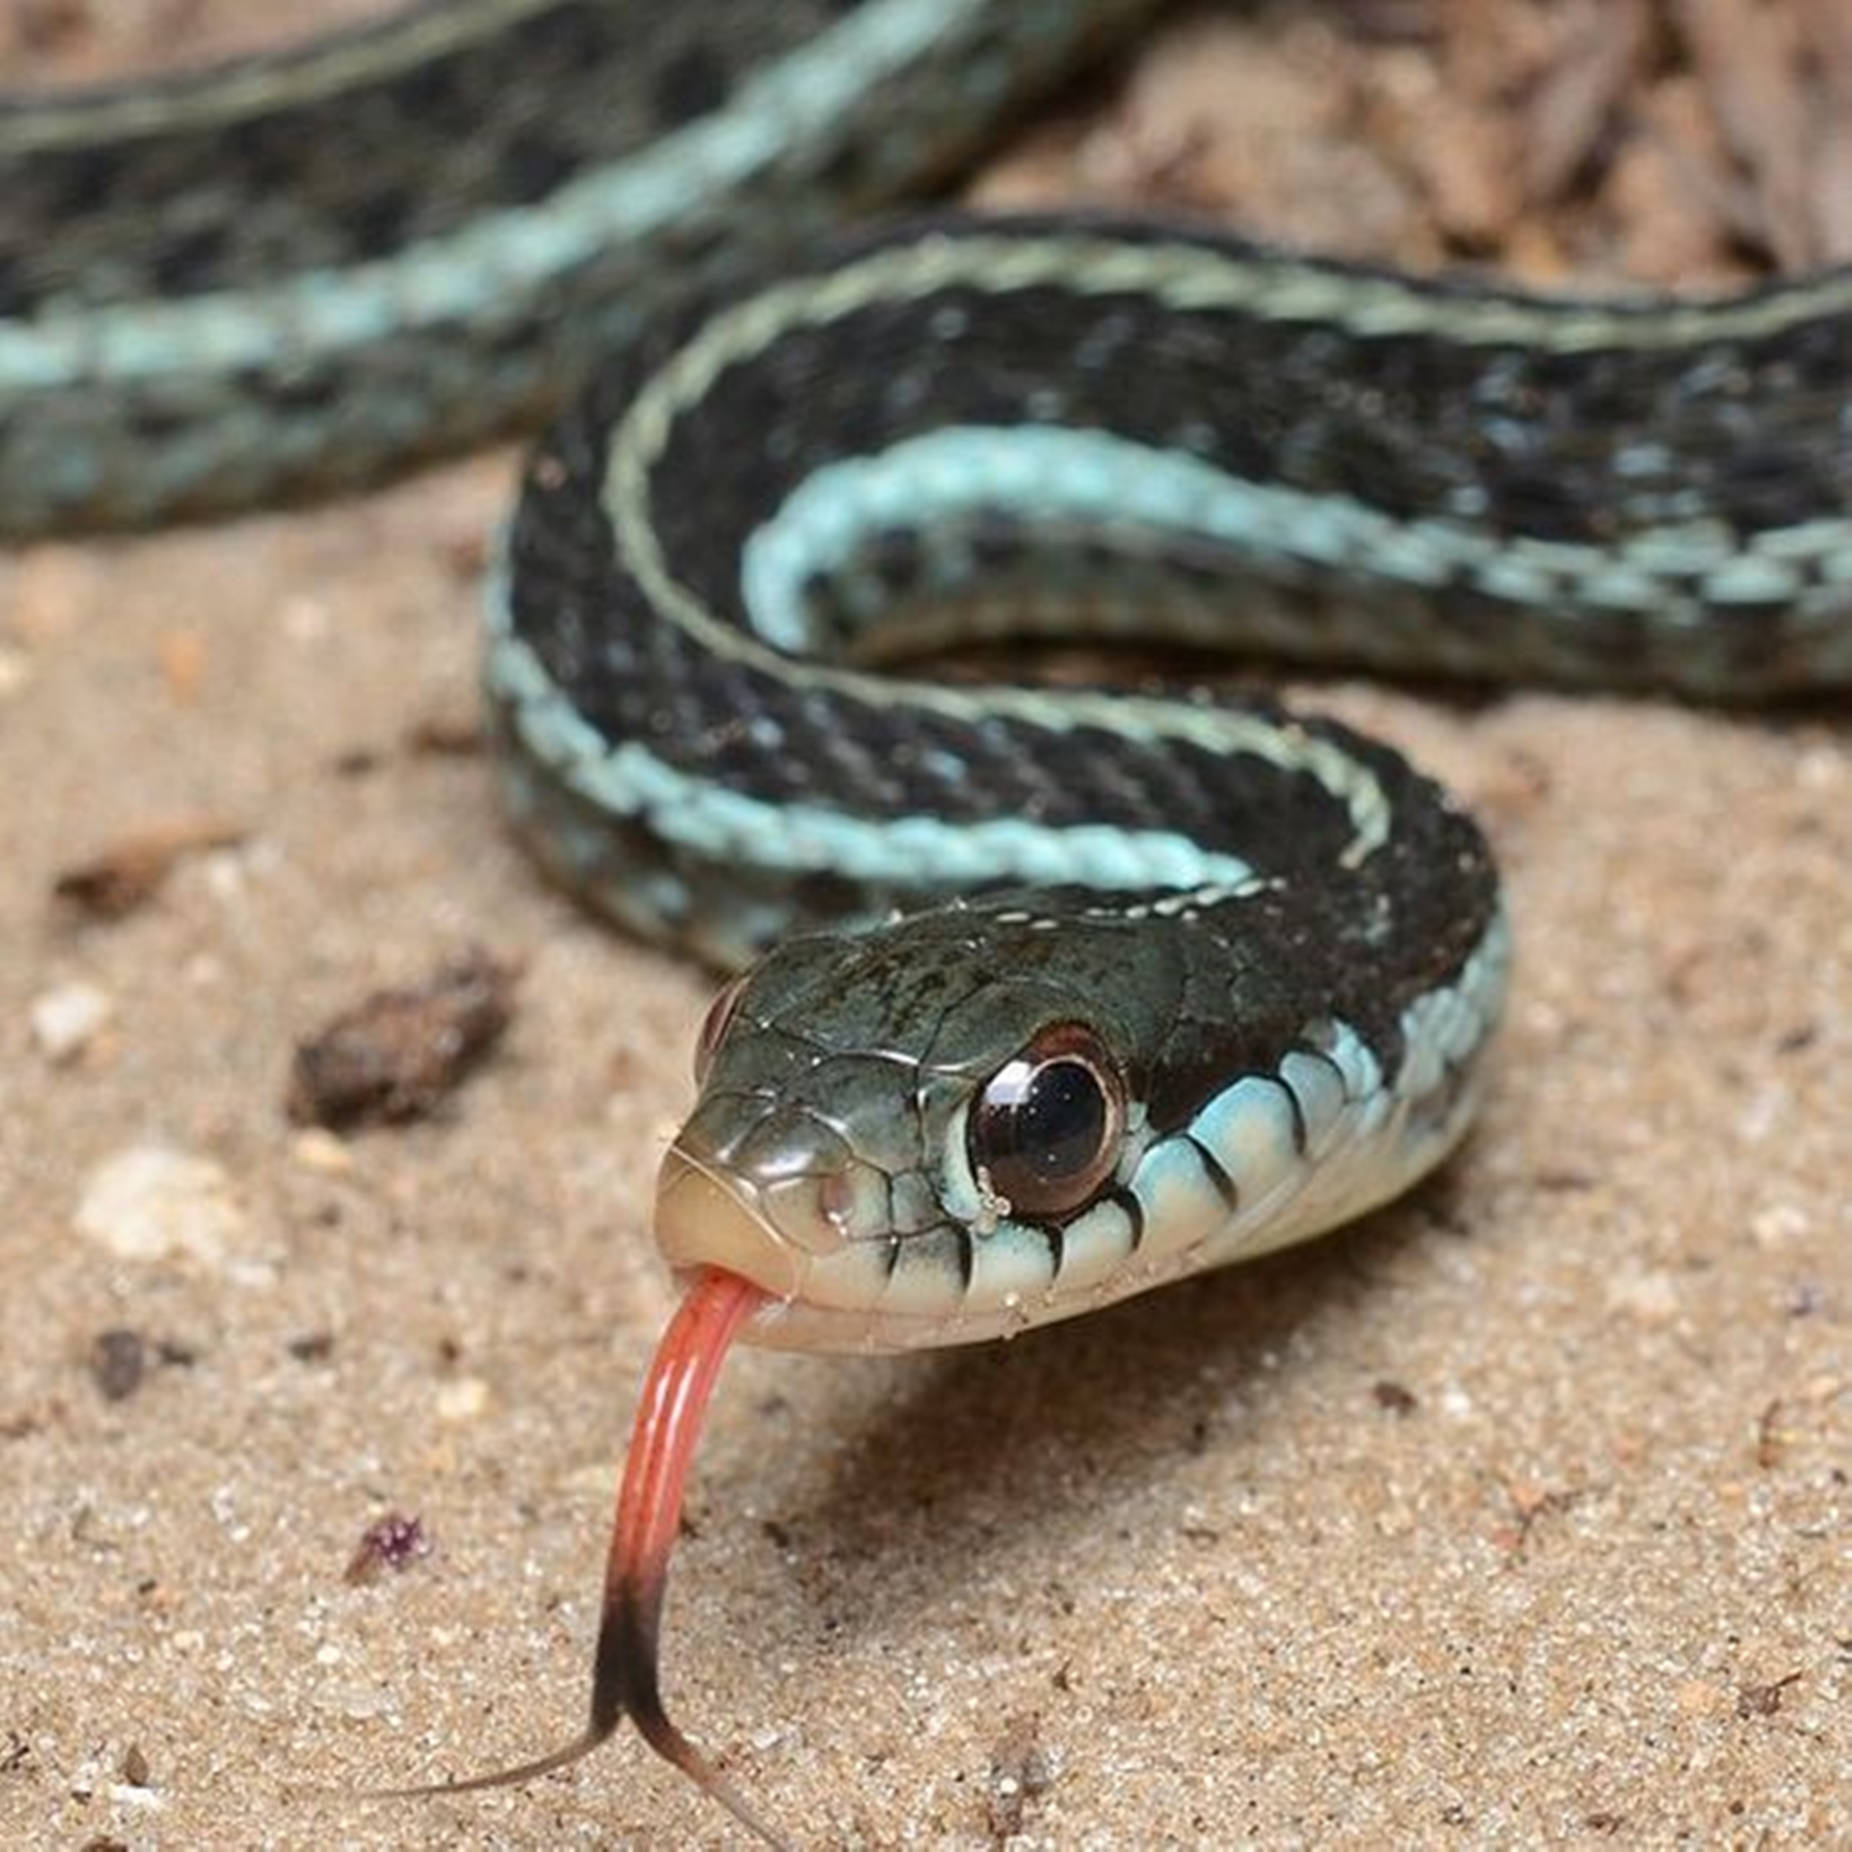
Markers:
point(824, 1213)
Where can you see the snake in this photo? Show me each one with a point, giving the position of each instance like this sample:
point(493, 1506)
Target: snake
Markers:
point(1048, 993)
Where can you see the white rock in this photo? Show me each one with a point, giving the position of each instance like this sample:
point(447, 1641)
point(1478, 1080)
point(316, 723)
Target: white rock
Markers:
point(15, 672)
point(150, 1202)
point(66, 1019)
point(322, 1152)
point(462, 1399)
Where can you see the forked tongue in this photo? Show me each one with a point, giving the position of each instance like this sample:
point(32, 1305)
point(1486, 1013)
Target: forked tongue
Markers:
point(681, 1377)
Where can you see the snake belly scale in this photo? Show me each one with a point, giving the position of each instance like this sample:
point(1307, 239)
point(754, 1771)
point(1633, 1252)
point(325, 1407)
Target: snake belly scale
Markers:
point(1053, 994)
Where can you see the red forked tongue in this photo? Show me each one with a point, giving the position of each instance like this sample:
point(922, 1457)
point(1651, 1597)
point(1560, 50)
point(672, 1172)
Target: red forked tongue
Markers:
point(649, 1513)
point(649, 1507)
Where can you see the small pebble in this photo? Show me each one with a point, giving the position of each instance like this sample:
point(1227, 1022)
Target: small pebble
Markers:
point(319, 1150)
point(1650, 1297)
point(1778, 1225)
point(398, 1054)
point(118, 1362)
point(150, 1202)
point(65, 1020)
point(462, 1400)
point(15, 672)
point(127, 874)
point(390, 1543)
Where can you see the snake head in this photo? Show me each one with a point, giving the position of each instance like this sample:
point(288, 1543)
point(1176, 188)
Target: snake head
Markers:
point(919, 1134)
point(991, 1115)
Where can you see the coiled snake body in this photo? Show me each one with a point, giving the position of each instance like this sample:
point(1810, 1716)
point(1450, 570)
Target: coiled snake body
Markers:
point(1069, 991)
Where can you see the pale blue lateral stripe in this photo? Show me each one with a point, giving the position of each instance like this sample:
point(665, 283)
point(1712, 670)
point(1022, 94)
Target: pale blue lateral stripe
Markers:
point(556, 732)
point(500, 255)
point(708, 819)
point(1114, 486)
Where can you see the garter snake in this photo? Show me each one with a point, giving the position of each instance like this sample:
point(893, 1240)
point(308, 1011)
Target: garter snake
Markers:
point(1133, 983)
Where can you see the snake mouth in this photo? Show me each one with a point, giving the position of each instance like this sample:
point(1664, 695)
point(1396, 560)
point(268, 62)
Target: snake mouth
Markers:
point(707, 1216)
point(799, 1241)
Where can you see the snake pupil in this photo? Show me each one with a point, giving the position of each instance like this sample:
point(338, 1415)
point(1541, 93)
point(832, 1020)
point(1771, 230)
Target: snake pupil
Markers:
point(1061, 1120)
point(1045, 1132)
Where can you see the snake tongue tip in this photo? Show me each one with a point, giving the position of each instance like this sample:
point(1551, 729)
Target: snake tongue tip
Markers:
point(625, 1676)
point(681, 1377)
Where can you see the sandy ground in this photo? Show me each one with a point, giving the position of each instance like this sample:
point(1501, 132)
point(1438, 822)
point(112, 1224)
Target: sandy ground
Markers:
point(1518, 1514)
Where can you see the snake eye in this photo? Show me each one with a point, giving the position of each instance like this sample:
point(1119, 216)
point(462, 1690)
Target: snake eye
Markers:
point(1045, 1132)
point(714, 1027)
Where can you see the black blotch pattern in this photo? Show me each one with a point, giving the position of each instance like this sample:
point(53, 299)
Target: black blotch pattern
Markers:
point(692, 82)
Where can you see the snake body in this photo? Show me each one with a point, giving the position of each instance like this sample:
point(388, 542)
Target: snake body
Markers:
point(1288, 943)
point(294, 272)
point(1059, 992)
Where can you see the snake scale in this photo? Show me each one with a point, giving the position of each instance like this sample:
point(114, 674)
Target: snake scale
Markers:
point(1053, 994)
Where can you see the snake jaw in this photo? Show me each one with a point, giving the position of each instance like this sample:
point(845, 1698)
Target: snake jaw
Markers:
point(776, 1230)
point(707, 1218)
